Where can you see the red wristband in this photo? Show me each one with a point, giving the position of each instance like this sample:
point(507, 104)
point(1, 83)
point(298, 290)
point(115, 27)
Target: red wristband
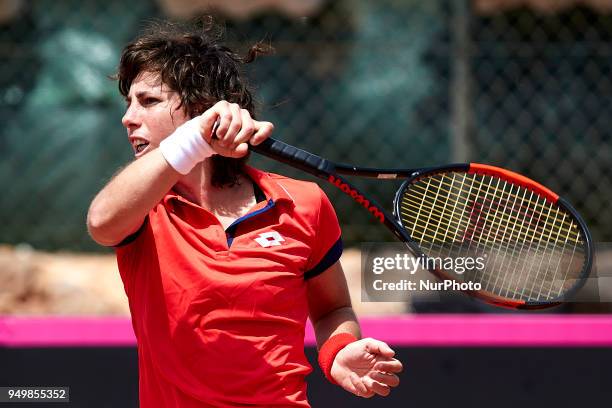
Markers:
point(330, 348)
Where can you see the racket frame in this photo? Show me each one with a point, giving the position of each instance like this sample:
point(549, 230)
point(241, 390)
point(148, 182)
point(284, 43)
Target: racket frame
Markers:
point(540, 191)
point(332, 172)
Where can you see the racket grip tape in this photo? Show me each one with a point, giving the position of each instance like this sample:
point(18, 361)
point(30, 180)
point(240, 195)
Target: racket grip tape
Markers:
point(292, 156)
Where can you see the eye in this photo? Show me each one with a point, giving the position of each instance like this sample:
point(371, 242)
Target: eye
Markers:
point(149, 100)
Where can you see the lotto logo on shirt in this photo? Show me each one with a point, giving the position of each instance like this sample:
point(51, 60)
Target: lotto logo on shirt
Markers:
point(268, 239)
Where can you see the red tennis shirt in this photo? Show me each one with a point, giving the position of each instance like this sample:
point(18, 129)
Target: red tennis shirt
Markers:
point(219, 315)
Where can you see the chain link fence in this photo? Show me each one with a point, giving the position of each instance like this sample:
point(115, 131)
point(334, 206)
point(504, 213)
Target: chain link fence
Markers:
point(376, 83)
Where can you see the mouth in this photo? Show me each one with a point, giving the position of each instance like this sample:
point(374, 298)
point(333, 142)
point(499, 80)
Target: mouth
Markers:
point(139, 145)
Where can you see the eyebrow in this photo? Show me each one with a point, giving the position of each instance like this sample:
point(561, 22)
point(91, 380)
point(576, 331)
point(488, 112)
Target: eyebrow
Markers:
point(141, 94)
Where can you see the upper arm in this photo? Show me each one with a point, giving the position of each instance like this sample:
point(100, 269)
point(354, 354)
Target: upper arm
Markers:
point(327, 292)
point(326, 244)
point(98, 234)
point(326, 285)
point(120, 208)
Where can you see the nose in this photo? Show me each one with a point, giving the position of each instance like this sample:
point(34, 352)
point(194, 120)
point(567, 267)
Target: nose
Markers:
point(131, 118)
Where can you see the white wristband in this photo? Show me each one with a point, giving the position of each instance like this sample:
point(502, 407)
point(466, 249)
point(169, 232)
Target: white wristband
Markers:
point(186, 147)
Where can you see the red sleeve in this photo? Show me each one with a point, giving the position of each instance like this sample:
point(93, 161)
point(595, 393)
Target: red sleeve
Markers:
point(327, 241)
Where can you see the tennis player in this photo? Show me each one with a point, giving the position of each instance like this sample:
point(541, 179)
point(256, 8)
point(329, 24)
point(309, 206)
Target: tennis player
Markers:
point(222, 263)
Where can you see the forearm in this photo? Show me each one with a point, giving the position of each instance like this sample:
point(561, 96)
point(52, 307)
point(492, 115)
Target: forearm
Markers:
point(341, 320)
point(120, 207)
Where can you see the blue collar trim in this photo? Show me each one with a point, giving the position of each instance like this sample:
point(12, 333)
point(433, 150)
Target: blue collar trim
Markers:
point(230, 232)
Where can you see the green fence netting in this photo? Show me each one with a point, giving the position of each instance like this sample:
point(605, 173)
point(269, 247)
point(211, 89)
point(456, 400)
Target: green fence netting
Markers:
point(378, 83)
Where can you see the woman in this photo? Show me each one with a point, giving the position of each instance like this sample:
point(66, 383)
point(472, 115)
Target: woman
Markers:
point(222, 263)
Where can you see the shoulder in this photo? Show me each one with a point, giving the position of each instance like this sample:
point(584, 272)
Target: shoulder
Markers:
point(310, 203)
point(304, 194)
point(300, 191)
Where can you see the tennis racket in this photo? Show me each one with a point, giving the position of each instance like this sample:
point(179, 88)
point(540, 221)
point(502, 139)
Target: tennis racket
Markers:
point(538, 249)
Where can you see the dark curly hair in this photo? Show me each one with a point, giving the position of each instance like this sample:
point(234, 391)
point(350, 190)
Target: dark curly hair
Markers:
point(191, 60)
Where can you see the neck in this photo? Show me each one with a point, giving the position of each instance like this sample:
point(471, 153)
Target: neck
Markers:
point(197, 188)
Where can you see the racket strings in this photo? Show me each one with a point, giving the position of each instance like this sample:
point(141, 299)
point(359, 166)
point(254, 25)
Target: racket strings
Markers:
point(475, 228)
point(492, 281)
point(511, 253)
point(482, 183)
point(533, 249)
point(518, 211)
point(547, 224)
point(510, 258)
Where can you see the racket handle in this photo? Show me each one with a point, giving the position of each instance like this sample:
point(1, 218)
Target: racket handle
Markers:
point(292, 156)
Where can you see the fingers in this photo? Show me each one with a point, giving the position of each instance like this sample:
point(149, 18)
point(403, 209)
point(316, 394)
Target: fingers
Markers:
point(263, 131)
point(235, 129)
point(370, 366)
point(376, 387)
point(375, 383)
point(246, 130)
point(359, 388)
point(388, 379)
point(391, 366)
point(379, 347)
point(235, 125)
point(207, 123)
point(230, 121)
